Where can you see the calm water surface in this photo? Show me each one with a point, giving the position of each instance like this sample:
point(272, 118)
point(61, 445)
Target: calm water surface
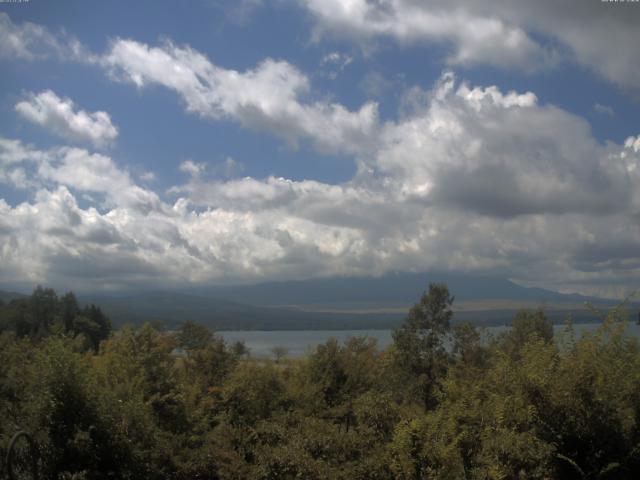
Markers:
point(302, 342)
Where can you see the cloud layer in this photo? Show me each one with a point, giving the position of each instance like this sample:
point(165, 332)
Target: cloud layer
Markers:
point(58, 115)
point(520, 34)
point(465, 177)
point(506, 34)
point(469, 178)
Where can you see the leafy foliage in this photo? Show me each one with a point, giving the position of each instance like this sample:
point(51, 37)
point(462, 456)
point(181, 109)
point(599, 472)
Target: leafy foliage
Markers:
point(43, 313)
point(420, 342)
point(443, 401)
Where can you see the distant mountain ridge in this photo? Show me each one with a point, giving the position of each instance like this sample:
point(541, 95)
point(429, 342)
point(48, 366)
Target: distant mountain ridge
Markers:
point(173, 308)
point(6, 297)
point(335, 303)
point(391, 289)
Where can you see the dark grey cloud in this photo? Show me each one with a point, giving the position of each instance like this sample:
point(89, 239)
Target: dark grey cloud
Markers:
point(502, 191)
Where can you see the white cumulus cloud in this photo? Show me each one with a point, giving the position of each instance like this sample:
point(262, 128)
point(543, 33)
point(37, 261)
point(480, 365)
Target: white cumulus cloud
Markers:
point(521, 34)
point(271, 97)
point(60, 116)
point(78, 169)
point(466, 178)
point(476, 38)
point(192, 168)
point(30, 41)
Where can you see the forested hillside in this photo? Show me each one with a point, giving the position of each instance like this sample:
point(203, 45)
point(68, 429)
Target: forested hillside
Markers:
point(129, 404)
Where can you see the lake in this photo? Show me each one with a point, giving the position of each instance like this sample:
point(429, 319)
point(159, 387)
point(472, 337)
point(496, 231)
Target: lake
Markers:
point(302, 342)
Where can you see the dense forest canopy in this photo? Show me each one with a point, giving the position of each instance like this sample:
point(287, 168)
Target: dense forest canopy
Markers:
point(443, 401)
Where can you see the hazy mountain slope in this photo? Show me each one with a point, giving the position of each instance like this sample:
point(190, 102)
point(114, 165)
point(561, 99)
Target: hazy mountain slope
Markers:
point(393, 289)
point(335, 303)
point(173, 308)
point(6, 297)
point(339, 303)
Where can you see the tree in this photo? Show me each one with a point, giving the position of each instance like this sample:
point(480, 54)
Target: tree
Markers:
point(468, 348)
point(252, 393)
point(209, 365)
point(339, 374)
point(239, 349)
point(193, 336)
point(18, 317)
point(419, 348)
point(43, 308)
point(279, 352)
point(139, 362)
point(92, 323)
point(327, 372)
point(75, 439)
point(527, 326)
point(69, 309)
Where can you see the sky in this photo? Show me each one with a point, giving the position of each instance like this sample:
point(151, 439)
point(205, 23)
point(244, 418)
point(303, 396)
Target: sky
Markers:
point(156, 144)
